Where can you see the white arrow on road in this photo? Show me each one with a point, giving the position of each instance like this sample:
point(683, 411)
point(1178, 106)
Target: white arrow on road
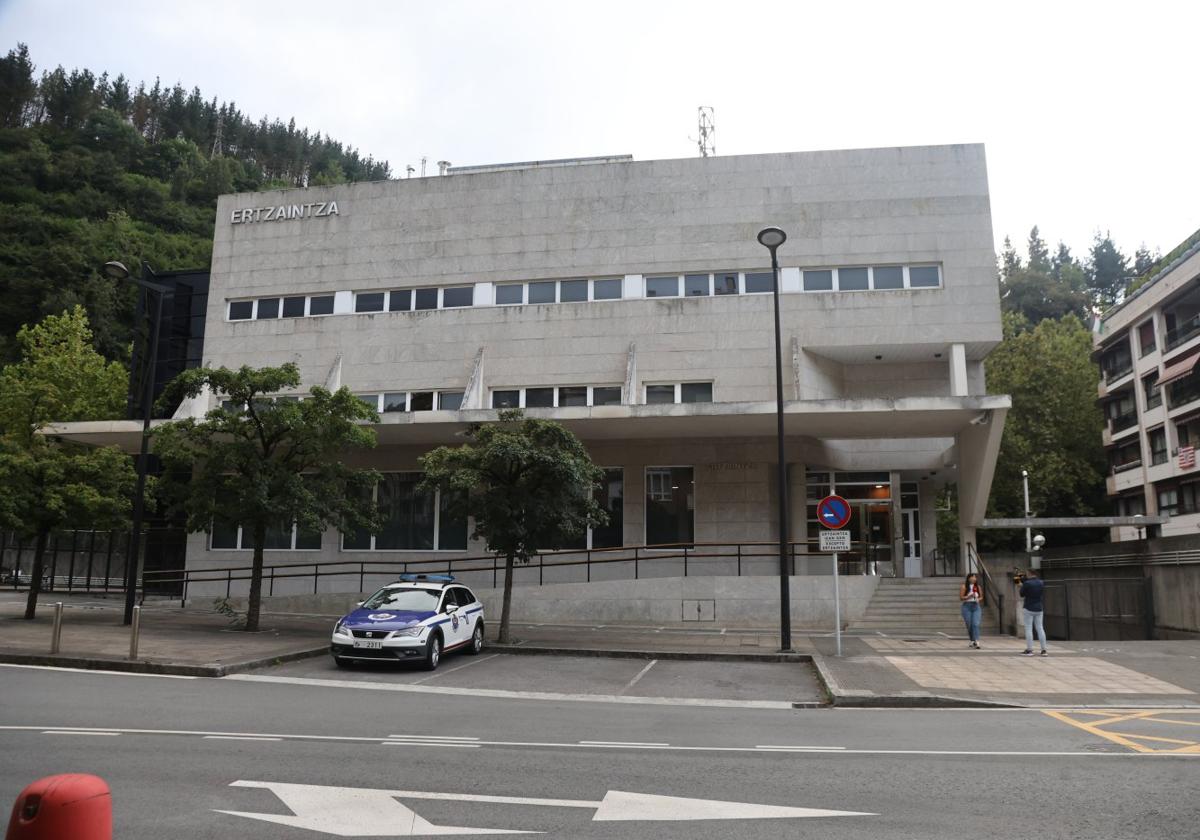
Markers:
point(364, 812)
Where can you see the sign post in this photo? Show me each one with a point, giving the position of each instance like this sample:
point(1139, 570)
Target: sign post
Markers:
point(834, 513)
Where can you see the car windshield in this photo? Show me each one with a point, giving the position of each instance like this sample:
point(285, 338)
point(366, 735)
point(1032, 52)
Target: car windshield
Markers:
point(417, 600)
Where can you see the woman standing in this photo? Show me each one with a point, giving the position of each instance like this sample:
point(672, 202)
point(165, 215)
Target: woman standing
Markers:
point(972, 612)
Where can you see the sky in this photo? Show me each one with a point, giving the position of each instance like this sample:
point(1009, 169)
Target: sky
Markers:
point(1087, 110)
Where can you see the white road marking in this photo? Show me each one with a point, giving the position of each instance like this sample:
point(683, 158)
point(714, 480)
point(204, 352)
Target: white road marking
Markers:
point(793, 747)
point(624, 743)
point(437, 737)
point(363, 812)
point(95, 671)
point(639, 675)
point(445, 671)
point(241, 738)
point(517, 695)
point(76, 732)
point(427, 744)
point(614, 745)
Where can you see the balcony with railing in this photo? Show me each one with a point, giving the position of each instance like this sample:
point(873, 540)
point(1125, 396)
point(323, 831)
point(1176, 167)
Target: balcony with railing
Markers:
point(1184, 391)
point(1122, 422)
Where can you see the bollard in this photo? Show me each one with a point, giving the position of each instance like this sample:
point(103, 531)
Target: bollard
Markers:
point(73, 805)
point(134, 629)
point(56, 630)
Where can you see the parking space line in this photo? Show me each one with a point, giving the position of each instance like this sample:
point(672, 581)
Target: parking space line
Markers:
point(77, 732)
point(624, 743)
point(452, 670)
point(640, 674)
point(240, 738)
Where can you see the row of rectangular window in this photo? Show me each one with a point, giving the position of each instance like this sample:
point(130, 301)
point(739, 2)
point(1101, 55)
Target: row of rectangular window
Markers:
point(850, 278)
point(397, 401)
point(411, 300)
point(565, 396)
point(267, 309)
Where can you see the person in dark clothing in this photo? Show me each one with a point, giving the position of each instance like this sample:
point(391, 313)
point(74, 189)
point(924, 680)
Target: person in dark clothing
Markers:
point(1033, 611)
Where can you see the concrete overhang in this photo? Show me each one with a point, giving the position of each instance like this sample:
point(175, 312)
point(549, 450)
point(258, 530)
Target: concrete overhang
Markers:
point(911, 417)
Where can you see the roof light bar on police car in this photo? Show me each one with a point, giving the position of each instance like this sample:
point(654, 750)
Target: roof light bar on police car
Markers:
point(412, 577)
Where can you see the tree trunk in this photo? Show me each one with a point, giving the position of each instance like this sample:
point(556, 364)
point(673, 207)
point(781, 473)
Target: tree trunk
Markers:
point(254, 603)
point(507, 608)
point(35, 583)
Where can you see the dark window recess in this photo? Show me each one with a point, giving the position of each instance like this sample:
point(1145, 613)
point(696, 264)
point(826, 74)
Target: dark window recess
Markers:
point(662, 287)
point(923, 277)
point(572, 291)
point(760, 281)
point(426, 298)
point(268, 308)
point(611, 497)
point(539, 398)
point(506, 399)
point(572, 396)
point(606, 396)
point(606, 289)
point(452, 535)
point(695, 392)
point(293, 307)
point(322, 305)
point(422, 401)
point(450, 400)
point(394, 402)
point(852, 279)
point(818, 281)
point(510, 294)
point(400, 301)
point(542, 292)
point(888, 277)
point(368, 302)
point(695, 285)
point(725, 283)
point(224, 534)
point(458, 296)
point(241, 310)
point(660, 394)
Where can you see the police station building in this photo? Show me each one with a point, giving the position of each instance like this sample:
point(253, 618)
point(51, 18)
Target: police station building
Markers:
point(630, 301)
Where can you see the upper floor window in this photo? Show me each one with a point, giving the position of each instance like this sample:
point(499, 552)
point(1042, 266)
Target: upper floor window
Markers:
point(875, 277)
point(559, 291)
point(391, 402)
point(679, 392)
point(409, 300)
point(564, 396)
point(270, 308)
point(1146, 339)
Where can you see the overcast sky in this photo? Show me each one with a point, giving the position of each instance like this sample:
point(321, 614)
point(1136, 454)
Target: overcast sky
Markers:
point(1088, 110)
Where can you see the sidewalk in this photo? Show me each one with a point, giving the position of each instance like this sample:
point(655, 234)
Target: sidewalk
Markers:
point(875, 670)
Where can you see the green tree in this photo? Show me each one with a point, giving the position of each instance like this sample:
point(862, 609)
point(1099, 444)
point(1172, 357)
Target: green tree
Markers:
point(1039, 254)
point(1054, 427)
point(527, 483)
point(48, 484)
point(265, 463)
point(1044, 287)
point(1107, 271)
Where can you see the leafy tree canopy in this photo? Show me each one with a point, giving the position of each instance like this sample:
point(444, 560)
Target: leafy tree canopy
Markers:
point(528, 484)
point(47, 484)
point(265, 462)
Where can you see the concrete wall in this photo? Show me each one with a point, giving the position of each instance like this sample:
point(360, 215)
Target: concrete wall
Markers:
point(722, 601)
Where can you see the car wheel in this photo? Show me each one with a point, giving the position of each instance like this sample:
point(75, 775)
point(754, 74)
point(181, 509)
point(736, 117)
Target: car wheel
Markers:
point(433, 652)
point(476, 639)
point(342, 662)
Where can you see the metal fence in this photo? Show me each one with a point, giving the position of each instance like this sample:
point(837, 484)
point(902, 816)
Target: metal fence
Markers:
point(92, 561)
point(1099, 609)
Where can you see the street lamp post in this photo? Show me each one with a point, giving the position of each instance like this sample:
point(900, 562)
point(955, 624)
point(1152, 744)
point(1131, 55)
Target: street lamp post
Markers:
point(771, 238)
point(118, 271)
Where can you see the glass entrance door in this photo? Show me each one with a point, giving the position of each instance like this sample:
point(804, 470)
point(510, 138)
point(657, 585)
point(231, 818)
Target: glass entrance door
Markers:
point(910, 523)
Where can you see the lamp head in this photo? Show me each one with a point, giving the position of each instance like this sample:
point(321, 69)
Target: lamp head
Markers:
point(1038, 542)
point(772, 237)
point(116, 270)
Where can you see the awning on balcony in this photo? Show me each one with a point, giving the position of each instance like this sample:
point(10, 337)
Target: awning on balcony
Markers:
point(1179, 368)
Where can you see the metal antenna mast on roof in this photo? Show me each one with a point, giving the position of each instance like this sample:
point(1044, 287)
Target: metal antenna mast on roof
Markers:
point(424, 160)
point(708, 132)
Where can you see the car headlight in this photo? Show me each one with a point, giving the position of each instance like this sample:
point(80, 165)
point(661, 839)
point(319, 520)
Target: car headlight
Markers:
point(342, 629)
point(415, 630)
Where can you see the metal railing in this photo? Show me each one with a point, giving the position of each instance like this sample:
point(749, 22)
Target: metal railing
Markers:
point(1123, 421)
point(1182, 332)
point(709, 559)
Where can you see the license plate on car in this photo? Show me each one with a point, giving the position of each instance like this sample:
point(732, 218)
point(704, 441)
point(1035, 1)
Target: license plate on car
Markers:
point(365, 643)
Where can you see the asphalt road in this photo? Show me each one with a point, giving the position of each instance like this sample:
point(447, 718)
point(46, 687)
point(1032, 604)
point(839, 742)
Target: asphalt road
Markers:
point(179, 752)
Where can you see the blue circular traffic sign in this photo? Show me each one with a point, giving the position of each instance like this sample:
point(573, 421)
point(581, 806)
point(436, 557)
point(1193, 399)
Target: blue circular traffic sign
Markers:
point(833, 512)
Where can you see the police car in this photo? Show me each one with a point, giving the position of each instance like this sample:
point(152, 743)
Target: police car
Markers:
point(419, 617)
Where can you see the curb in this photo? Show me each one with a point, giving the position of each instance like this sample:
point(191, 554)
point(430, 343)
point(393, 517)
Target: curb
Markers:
point(843, 698)
point(143, 666)
point(695, 656)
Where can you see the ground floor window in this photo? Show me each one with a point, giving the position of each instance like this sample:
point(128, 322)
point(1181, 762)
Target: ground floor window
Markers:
point(670, 505)
point(231, 535)
point(610, 495)
point(412, 520)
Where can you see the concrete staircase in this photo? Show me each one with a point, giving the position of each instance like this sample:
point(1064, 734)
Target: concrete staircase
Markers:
point(919, 606)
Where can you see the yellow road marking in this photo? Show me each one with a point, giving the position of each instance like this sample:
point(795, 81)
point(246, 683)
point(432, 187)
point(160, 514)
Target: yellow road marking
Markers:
point(1126, 739)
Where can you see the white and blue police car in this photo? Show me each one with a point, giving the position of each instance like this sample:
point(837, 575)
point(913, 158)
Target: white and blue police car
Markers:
point(419, 617)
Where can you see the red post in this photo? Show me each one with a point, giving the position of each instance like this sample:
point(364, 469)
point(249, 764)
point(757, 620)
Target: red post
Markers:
point(73, 805)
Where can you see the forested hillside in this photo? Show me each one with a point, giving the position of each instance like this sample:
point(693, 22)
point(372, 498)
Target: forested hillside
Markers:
point(94, 169)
